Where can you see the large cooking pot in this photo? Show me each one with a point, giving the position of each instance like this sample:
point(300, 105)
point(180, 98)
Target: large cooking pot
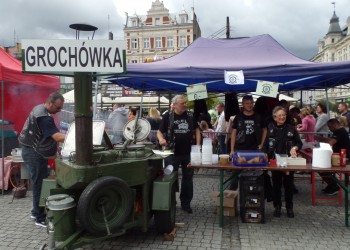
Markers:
point(131, 151)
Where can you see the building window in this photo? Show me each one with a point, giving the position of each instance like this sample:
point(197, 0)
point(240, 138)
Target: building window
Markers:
point(134, 23)
point(134, 43)
point(146, 43)
point(133, 61)
point(332, 40)
point(157, 21)
point(183, 41)
point(169, 42)
point(158, 42)
point(183, 19)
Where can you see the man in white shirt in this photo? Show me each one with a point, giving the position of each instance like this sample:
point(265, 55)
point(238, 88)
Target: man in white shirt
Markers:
point(221, 129)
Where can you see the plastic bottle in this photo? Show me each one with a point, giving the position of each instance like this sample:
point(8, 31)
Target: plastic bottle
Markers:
point(342, 157)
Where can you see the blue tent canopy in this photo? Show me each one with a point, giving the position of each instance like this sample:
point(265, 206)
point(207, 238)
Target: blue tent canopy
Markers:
point(260, 57)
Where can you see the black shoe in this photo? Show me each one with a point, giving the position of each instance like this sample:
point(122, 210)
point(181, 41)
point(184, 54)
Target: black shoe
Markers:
point(187, 209)
point(290, 213)
point(277, 212)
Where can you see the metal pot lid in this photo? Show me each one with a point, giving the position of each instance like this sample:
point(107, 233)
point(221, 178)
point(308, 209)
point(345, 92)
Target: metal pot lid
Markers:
point(140, 131)
point(60, 202)
point(131, 146)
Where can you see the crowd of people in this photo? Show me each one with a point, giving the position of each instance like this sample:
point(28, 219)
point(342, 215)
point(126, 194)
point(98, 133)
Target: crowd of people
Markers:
point(270, 127)
point(278, 128)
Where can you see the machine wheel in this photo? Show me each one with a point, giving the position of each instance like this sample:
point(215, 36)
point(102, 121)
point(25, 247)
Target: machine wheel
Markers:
point(104, 199)
point(165, 220)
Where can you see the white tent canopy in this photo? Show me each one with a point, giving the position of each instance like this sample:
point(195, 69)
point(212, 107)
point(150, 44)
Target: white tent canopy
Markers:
point(280, 97)
point(145, 100)
point(129, 101)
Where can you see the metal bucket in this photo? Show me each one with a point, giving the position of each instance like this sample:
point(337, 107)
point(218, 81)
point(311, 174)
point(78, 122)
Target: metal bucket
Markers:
point(61, 207)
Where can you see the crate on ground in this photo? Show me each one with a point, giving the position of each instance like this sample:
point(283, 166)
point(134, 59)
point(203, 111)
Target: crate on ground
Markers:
point(253, 215)
point(253, 201)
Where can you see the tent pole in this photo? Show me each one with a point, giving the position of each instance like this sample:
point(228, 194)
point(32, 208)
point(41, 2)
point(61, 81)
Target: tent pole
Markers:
point(2, 139)
point(94, 115)
point(141, 105)
point(327, 102)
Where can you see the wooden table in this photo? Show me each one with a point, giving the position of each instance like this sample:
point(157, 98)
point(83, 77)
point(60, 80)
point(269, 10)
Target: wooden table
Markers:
point(304, 168)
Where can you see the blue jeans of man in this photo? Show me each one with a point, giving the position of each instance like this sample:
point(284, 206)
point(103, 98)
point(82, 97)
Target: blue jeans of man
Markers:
point(186, 194)
point(37, 166)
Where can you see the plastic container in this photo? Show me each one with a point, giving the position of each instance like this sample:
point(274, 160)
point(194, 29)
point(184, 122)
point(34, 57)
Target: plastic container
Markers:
point(249, 158)
point(335, 159)
point(224, 159)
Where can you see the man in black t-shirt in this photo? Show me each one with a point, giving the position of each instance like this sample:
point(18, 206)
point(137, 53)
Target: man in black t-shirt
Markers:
point(339, 140)
point(179, 136)
point(248, 129)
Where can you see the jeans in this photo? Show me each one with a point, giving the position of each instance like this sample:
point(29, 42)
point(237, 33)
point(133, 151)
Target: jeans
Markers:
point(186, 194)
point(37, 166)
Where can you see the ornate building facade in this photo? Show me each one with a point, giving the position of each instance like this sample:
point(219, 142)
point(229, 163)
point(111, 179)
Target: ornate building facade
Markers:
point(159, 34)
point(334, 47)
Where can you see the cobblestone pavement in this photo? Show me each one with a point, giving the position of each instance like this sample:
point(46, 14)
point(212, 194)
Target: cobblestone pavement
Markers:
point(319, 227)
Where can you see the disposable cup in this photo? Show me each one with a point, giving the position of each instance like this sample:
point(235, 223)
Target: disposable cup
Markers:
point(168, 170)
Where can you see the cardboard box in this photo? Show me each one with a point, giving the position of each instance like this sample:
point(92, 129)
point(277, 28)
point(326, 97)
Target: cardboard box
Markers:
point(229, 202)
point(227, 211)
point(296, 161)
point(230, 197)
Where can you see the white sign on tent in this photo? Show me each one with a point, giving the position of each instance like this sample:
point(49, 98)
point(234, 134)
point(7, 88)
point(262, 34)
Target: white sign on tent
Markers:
point(266, 88)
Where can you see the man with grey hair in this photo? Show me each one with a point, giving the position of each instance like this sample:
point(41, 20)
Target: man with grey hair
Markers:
point(38, 139)
point(177, 131)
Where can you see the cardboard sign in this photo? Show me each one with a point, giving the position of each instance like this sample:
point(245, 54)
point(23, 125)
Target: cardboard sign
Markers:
point(197, 92)
point(234, 77)
point(265, 88)
point(73, 56)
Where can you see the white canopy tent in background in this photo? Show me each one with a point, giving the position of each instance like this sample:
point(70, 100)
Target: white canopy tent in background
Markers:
point(280, 97)
point(69, 98)
point(127, 100)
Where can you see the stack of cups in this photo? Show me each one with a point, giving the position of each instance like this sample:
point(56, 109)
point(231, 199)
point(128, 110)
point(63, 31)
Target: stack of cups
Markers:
point(196, 155)
point(207, 151)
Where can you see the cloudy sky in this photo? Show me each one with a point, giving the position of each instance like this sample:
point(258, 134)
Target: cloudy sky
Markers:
point(296, 24)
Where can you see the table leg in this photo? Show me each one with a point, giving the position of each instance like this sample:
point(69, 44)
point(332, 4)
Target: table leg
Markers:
point(313, 188)
point(221, 198)
point(346, 199)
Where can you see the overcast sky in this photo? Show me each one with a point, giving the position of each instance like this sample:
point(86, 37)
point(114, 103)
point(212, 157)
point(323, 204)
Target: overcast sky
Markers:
point(296, 24)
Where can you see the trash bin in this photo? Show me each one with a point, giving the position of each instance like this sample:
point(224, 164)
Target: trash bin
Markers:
point(61, 207)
